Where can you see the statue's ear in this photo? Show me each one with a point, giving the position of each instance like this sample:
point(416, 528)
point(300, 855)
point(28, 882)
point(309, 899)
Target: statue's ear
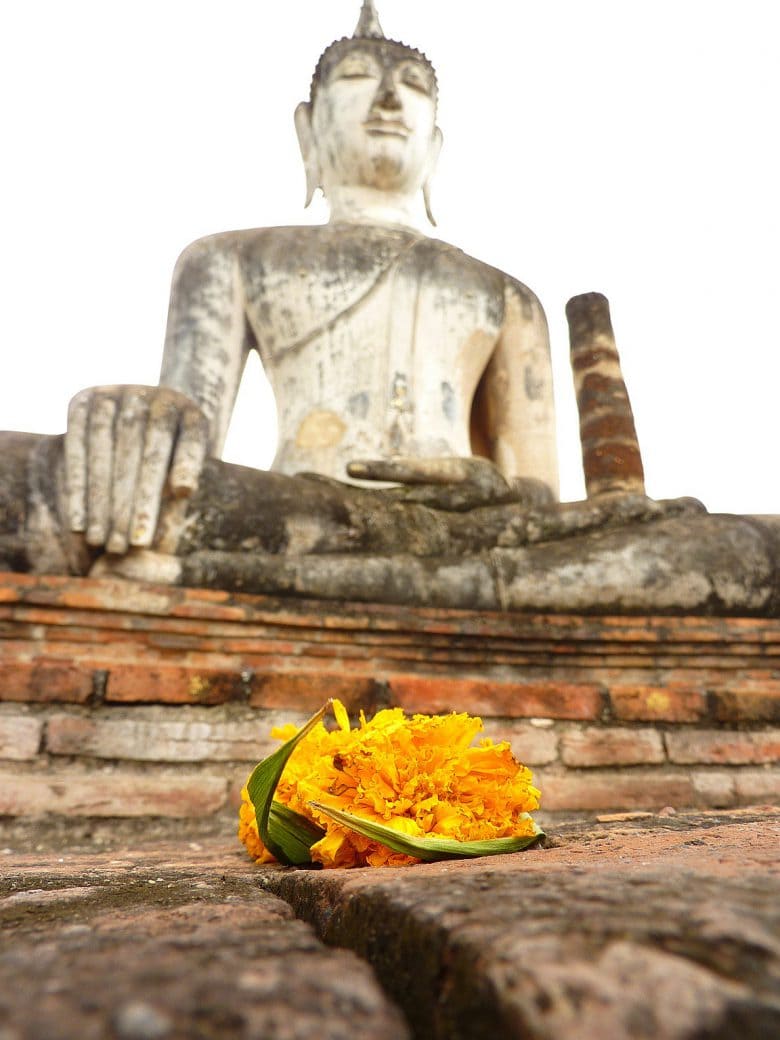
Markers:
point(308, 149)
point(437, 141)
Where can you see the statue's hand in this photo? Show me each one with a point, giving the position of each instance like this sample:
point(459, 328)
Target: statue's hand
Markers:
point(449, 482)
point(125, 446)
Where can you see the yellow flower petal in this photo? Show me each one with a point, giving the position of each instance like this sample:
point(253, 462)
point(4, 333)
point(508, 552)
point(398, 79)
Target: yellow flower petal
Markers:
point(342, 718)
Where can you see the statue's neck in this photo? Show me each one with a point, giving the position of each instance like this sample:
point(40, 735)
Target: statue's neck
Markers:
point(361, 205)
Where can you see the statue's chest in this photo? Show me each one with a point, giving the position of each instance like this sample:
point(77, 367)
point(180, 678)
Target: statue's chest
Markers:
point(403, 324)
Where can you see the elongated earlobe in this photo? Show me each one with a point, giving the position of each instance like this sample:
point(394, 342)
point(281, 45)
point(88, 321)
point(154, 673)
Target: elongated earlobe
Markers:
point(308, 149)
point(433, 158)
point(427, 201)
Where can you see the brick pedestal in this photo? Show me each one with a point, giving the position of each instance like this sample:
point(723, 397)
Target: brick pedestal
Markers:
point(124, 699)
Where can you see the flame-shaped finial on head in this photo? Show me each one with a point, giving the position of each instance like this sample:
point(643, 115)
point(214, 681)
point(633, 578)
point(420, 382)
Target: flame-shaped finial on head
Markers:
point(368, 24)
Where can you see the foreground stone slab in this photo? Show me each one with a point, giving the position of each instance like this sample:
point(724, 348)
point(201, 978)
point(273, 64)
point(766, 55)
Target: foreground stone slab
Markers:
point(173, 944)
point(637, 926)
point(643, 927)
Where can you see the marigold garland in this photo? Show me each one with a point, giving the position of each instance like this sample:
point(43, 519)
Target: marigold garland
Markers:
point(417, 775)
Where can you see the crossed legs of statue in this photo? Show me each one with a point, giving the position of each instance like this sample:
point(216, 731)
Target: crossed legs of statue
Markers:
point(263, 532)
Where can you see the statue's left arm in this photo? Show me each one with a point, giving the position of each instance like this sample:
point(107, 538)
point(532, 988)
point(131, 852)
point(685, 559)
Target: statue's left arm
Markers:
point(514, 409)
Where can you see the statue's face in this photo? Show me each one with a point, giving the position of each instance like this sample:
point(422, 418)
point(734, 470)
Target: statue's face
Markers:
point(374, 118)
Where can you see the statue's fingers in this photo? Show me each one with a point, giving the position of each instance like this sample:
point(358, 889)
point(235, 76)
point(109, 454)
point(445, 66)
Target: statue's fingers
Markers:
point(130, 428)
point(100, 466)
point(190, 452)
point(156, 459)
point(76, 462)
point(405, 470)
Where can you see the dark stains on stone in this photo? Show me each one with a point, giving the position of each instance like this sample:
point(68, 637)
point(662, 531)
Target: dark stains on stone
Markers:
point(448, 401)
point(99, 684)
point(534, 386)
point(358, 405)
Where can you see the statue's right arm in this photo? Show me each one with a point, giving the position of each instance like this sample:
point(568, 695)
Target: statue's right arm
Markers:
point(126, 446)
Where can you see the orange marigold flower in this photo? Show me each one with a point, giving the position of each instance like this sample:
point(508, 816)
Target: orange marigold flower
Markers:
point(417, 775)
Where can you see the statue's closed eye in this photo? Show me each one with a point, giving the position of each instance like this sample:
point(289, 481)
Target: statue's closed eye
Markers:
point(355, 69)
point(413, 77)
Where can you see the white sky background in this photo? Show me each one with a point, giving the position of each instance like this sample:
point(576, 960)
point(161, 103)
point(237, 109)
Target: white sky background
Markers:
point(611, 145)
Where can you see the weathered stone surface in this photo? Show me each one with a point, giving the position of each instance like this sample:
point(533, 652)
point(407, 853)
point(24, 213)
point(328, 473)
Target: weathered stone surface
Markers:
point(706, 565)
point(664, 927)
point(720, 565)
point(140, 947)
point(655, 929)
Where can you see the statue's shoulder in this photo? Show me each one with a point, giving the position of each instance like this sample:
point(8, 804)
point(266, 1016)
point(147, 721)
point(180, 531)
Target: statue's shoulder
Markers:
point(236, 243)
point(466, 269)
point(278, 247)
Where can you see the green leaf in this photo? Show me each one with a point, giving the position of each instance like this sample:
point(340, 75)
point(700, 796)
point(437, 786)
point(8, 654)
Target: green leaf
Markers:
point(276, 833)
point(428, 849)
point(294, 833)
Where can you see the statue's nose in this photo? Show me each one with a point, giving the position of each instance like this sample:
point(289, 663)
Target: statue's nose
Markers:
point(387, 95)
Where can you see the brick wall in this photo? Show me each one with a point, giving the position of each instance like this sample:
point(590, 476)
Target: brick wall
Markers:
point(126, 700)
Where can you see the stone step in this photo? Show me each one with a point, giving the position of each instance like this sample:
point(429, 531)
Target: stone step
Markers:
point(636, 926)
point(171, 943)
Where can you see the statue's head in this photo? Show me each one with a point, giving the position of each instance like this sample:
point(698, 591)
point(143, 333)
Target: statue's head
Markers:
point(371, 119)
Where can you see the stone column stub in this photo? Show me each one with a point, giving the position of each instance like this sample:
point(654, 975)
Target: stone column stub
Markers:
point(611, 458)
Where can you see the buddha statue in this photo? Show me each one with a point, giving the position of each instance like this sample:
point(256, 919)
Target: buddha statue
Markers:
point(379, 342)
point(416, 457)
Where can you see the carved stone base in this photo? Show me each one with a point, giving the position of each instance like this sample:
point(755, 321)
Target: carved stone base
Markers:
point(128, 699)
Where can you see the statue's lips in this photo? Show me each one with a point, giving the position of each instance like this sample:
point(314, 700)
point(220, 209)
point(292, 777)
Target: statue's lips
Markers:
point(390, 127)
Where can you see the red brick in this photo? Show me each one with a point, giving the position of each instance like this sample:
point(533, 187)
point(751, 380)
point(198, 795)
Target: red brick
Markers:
point(615, 790)
point(116, 595)
point(750, 701)
point(531, 745)
point(171, 684)
point(556, 700)
point(757, 786)
point(45, 680)
point(308, 691)
point(20, 737)
point(597, 746)
point(673, 703)
point(168, 739)
point(732, 747)
point(111, 794)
